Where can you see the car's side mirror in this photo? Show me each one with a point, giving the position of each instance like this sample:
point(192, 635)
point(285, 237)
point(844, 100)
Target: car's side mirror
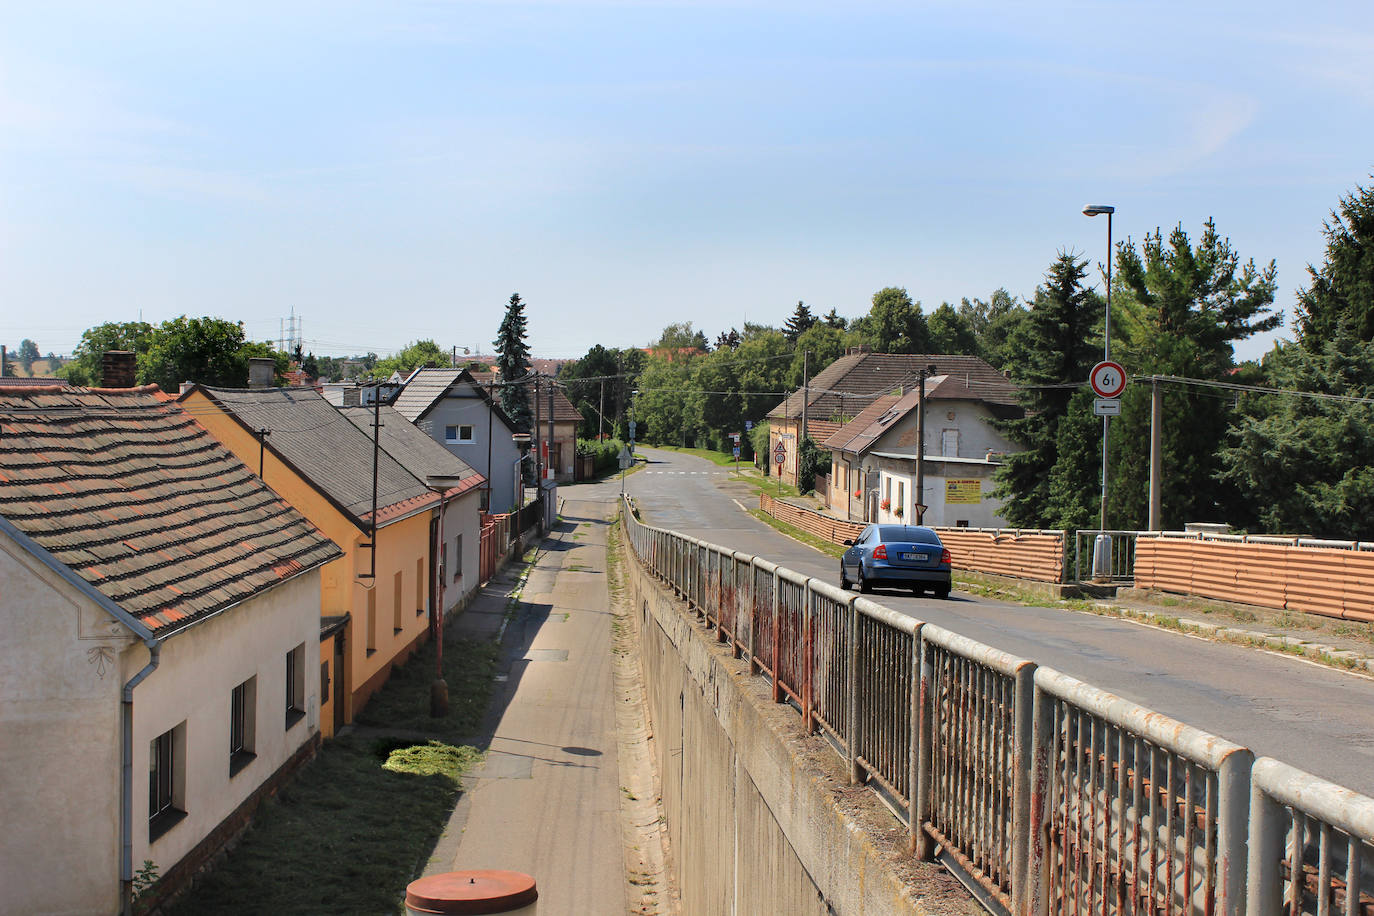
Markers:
point(847, 542)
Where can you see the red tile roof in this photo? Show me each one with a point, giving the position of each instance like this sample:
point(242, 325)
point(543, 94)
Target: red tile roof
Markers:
point(125, 488)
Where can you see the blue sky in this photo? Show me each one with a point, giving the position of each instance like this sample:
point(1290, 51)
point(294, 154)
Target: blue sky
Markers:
point(393, 171)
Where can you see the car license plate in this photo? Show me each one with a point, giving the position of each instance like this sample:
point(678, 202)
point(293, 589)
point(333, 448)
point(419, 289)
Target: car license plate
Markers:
point(922, 557)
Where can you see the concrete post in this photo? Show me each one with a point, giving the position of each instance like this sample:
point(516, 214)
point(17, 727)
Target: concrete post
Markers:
point(808, 667)
point(1264, 885)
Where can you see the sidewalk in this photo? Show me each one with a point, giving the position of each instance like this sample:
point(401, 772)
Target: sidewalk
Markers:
point(547, 800)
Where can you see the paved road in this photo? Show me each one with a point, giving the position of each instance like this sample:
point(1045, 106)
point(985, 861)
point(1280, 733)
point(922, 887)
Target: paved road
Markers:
point(1313, 717)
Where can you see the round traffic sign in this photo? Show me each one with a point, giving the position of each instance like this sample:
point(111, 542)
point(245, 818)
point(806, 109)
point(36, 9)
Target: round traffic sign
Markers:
point(780, 453)
point(1108, 379)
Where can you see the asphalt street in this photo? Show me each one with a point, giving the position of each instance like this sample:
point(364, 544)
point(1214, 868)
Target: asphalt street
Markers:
point(1317, 718)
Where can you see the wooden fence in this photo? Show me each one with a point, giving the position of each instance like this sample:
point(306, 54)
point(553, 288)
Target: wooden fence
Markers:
point(1331, 578)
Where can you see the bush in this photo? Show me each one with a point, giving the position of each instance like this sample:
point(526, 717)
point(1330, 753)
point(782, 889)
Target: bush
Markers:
point(605, 453)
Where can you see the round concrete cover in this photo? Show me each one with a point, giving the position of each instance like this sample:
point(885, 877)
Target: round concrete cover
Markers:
point(481, 891)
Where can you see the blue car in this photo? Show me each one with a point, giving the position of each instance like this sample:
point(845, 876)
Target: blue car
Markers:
point(906, 556)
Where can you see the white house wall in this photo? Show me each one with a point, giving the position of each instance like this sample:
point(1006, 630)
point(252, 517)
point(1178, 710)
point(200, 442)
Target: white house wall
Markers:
point(59, 744)
point(193, 684)
point(464, 405)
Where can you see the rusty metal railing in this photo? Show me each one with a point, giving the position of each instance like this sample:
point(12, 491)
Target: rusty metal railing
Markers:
point(1310, 846)
point(1133, 811)
point(1055, 796)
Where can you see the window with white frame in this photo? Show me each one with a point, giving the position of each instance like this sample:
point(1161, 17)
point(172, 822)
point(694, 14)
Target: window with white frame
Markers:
point(459, 435)
point(242, 724)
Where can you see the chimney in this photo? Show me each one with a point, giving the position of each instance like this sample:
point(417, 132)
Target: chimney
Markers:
point(3, 359)
point(187, 386)
point(261, 369)
point(117, 369)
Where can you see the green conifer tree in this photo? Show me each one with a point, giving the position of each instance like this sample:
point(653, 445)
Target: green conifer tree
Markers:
point(513, 362)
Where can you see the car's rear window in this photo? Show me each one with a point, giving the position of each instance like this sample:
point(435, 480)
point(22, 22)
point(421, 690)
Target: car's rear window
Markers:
point(907, 533)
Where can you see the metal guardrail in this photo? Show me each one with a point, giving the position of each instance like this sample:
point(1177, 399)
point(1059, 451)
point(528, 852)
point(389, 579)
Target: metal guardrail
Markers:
point(1119, 563)
point(1055, 796)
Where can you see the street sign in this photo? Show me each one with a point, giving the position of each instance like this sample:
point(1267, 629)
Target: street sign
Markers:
point(737, 453)
point(1108, 379)
point(626, 459)
point(1107, 407)
point(748, 424)
point(632, 429)
point(780, 453)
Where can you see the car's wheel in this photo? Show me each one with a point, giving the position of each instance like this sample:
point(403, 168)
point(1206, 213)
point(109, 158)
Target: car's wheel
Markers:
point(917, 588)
point(864, 585)
point(942, 592)
point(844, 580)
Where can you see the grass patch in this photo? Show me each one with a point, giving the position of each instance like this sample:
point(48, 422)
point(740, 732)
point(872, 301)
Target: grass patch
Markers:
point(345, 836)
point(403, 704)
point(357, 823)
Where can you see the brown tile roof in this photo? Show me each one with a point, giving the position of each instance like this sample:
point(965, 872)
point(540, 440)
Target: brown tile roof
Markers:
point(128, 490)
point(427, 386)
point(873, 422)
point(9, 381)
point(855, 435)
point(849, 384)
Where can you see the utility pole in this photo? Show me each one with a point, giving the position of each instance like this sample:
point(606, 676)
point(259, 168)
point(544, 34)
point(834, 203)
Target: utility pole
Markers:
point(919, 502)
point(806, 397)
point(600, 412)
point(1156, 471)
point(538, 464)
point(552, 467)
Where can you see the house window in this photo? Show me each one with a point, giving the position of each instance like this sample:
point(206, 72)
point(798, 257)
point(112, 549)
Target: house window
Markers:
point(421, 590)
point(457, 558)
point(371, 621)
point(460, 435)
point(242, 724)
point(324, 683)
point(949, 443)
point(901, 497)
point(166, 781)
point(396, 605)
point(295, 685)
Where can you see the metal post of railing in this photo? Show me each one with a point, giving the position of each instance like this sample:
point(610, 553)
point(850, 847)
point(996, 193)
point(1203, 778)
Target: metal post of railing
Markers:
point(753, 627)
point(777, 651)
point(1036, 900)
point(923, 739)
point(808, 666)
point(1023, 706)
point(852, 697)
point(1233, 812)
point(915, 811)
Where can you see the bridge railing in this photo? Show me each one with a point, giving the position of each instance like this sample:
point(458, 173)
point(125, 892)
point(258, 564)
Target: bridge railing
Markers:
point(1053, 795)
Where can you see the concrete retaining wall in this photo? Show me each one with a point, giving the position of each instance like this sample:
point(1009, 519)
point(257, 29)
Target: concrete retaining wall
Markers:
point(761, 817)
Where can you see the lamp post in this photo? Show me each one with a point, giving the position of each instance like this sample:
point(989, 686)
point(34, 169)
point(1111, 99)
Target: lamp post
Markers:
point(438, 691)
point(1098, 210)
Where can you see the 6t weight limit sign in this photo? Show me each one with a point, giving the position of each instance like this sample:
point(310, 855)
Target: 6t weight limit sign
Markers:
point(1108, 379)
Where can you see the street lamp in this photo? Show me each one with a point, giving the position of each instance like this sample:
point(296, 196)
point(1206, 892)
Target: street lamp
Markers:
point(1098, 210)
point(438, 691)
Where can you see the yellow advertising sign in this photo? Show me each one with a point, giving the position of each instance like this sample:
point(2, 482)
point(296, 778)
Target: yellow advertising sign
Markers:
point(963, 491)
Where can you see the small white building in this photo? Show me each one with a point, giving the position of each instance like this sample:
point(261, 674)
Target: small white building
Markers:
point(873, 457)
point(161, 622)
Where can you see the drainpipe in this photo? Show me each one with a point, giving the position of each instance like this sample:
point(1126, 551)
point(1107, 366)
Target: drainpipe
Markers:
point(126, 706)
point(126, 781)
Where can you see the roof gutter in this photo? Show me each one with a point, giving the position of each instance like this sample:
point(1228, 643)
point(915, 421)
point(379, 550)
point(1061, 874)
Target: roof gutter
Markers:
point(126, 704)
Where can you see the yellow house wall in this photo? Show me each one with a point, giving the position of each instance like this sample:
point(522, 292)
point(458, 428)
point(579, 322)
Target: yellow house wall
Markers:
point(402, 550)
